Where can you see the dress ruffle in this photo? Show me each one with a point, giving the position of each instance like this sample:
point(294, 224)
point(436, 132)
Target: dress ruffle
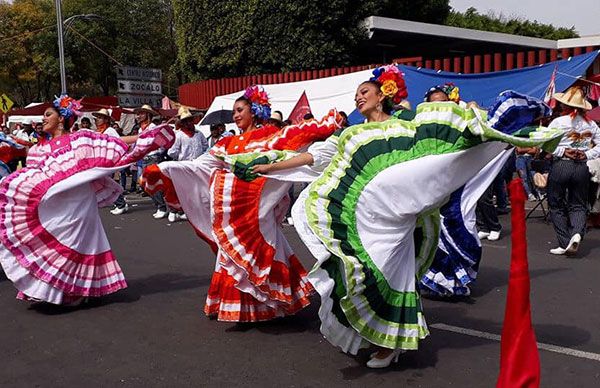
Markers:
point(370, 219)
point(457, 258)
point(253, 251)
point(257, 276)
point(54, 248)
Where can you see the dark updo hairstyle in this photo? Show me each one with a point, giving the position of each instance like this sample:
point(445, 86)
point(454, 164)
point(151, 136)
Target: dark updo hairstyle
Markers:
point(67, 108)
point(387, 105)
point(68, 121)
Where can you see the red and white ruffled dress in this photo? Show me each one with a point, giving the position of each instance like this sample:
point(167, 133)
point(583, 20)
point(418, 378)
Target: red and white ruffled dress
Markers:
point(53, 246)
point(257, 276)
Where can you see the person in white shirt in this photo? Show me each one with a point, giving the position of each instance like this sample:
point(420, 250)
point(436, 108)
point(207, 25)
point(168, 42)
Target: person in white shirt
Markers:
point(103, 120)
point(189, 144)
point(26, 130)
point(143, 117)
point(569, 179)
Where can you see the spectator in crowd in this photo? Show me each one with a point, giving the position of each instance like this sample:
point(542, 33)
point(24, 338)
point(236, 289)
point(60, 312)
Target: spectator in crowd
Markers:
point(117, 128)
point(38, 134)
point(500, 183)
point(523, 166)
point(103, 120)
point(488, 225)
point(217, 132)
point(26, 130)
point(157, 120)
point(85, 123)
point(276, 119)
point(344, 119)
point(75, 128)
point(144, 116)
point(189, 144)
point(569, 179)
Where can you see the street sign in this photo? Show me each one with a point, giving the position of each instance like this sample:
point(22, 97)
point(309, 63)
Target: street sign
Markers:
point(134, 101)
point(5, 103)
point(139, 87)
point(139, 73)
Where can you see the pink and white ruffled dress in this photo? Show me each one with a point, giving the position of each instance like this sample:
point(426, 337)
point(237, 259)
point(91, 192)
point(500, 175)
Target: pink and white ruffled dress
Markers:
point(52, 243)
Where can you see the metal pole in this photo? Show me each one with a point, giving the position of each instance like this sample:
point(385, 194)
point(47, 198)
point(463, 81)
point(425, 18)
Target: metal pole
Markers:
point(61, 48)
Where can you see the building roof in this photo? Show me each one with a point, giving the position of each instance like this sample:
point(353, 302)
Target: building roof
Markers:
point(395, 38)
point(584, 41)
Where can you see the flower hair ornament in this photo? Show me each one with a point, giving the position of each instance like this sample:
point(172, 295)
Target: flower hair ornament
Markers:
point(449, 89)
point(392, 83)
point(259, 102)
point(67, 107)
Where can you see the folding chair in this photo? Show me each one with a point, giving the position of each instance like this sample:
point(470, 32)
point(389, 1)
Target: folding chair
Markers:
point(539, 167)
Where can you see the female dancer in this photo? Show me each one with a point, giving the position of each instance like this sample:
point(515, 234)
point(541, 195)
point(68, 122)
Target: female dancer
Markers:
point(457, 258)
point(257, 277)
point(359, 218)
point(53, 247)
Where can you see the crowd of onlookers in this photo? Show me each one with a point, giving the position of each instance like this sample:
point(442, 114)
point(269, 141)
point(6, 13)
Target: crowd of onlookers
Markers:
point(566, 180)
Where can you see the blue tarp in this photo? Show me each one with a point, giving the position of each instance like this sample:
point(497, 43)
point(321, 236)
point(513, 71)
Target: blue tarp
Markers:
point(485, 87)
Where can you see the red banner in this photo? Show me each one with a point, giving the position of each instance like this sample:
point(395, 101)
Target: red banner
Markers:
point(302, 107)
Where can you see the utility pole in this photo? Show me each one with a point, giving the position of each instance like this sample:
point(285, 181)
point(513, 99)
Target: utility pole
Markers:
point(61, 48)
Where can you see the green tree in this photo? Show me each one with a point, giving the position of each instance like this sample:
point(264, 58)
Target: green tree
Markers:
point(471, 18)
point(137, 33)
point(268, 36)
point(431, 11)
point(28, 71)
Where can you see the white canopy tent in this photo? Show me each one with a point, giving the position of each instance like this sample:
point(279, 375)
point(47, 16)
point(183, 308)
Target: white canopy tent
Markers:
point(323, 94)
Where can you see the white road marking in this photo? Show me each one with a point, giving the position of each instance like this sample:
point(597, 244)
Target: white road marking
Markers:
point(496, 337)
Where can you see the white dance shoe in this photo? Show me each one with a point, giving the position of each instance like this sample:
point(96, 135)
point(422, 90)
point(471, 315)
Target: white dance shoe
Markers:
point(377, 363)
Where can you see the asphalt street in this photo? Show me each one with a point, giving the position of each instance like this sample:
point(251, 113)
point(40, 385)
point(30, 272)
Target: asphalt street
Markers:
point(154, 333)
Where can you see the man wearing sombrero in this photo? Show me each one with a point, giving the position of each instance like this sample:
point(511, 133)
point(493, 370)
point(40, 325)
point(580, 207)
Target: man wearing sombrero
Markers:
point(143, 117)
point(189, 144)
point(568, 182)
point(103, 120)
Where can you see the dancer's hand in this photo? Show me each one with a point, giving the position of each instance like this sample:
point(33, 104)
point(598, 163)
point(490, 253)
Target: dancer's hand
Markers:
point(261, 168)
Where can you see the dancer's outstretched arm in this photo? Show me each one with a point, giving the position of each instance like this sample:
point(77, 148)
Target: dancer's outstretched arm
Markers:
point(302, 159)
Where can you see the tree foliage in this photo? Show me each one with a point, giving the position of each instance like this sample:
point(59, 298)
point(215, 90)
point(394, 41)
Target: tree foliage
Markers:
point(267, 36)
point(27, 70)
point(135, 33)
point(471, 18)
point(198, 39)
point(431, 11)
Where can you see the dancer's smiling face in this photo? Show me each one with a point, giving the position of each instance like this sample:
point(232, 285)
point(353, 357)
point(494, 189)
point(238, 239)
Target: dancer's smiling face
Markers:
point(367, 97)
point(51, 120)
point(242, 115)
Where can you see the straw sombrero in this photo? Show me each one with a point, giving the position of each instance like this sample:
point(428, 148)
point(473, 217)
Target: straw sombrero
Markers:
point(573, 97)
point(146, 108)
point(102, 112)
point(184, 113)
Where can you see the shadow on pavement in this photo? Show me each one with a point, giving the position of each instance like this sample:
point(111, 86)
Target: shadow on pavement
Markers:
point(166, 282)
point(427, 355)
point(159, 283)
point(561, 335)
point(305, 320)
point(494, 278)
